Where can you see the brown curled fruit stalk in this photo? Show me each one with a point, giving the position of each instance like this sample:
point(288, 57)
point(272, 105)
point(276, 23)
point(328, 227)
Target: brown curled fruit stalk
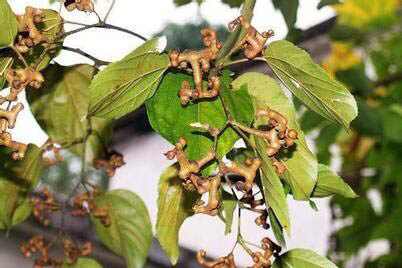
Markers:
point(81, 5)
point(21, 78)
point(253, 42)
point(18, 149)
point(247, 171)
point(11, 115)
point(18, 80)
point(200, 62)
point(210, 185)
point(222, 262)
point(189, 173)
point(110, 166)
point(187, 167)
point(262, 220)
point(263, 259)
point(28, 33)
point(278, 135)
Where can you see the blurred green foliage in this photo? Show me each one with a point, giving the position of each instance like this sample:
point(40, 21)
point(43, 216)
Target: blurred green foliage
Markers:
point(367, 57)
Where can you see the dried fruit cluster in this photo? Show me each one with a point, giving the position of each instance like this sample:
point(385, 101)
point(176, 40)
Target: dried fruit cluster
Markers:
point(44, 204)
point(28, 33)
point(18, 79)
point(38, 247)
point(202, 61)
point(84, 204)
point(110, 165)
point(81, 5)
point(278, 135)
point(261, 259)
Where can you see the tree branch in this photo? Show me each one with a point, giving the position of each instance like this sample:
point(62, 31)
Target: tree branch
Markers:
point(103, 26)
point(109, 11)
point(97, 61)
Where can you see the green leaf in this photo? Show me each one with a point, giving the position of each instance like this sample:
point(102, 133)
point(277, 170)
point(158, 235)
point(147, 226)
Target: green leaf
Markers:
point(123, 86)
point(276, 228)
point(392, 118)
point(66, 98)
point(182, 2)
point(29, 169)
point(14, 208)
point(300, 162)
point(288, 9)
point(233, 3)
point(5, 64)
point(239, 104)
point(172, 121)
point(302, 258)
point(240, 155)
point(227, 208)
point(313, 205)
point(9, 25)
point(310, 83)
point(329, 183)
point(310, 121)
point(22, 211)
point(274, 194)
point(324, 3)
point(130, 232)
point(174, 207)
point(83, 263)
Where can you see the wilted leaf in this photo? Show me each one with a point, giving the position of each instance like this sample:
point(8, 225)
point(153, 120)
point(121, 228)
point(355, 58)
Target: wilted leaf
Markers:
point(310, 83)
point(301, 164)
point(302, 258)
point(130, 232)
point(174, 207)
point(9, 25)
point(172, 121)
point(125, 85)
